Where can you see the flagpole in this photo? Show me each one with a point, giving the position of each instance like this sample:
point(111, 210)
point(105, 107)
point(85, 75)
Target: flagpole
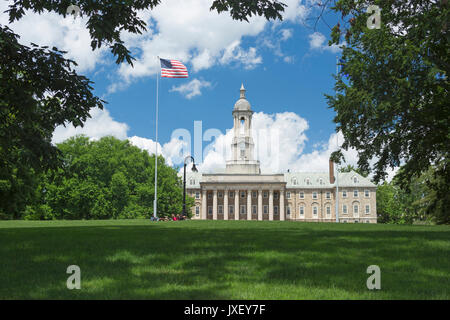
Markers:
point(337, 168)
point(156, 145)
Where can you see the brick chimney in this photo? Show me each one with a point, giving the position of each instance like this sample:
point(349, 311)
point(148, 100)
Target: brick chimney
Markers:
point(331, 170)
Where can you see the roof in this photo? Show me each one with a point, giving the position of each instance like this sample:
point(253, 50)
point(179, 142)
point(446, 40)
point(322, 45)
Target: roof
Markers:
point(193, 179)
point(242, 104)
point(322, 180)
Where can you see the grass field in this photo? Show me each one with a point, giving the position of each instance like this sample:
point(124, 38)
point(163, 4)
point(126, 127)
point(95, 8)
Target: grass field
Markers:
point(136, 259)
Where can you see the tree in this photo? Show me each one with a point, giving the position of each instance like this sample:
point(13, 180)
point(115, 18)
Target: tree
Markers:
point(104, 179)
point(392, 89)
point(350, 168)
point(39, 90)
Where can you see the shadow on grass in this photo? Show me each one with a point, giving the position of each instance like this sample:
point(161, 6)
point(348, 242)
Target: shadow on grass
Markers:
point(211, 260)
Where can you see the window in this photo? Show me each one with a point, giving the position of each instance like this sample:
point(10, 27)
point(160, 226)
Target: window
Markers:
point(266, 209)
point(345, 221)
point(367, 221)
point(231, 194)
point(254, 209)
point(220, 194)
point(254, 194)
point(275, 210)
point(315, 210)
point(209, 210)
point(242, 209)
point(209, 195)
point(344, 193)
point(366, 193)
point(344, 209)
point(302, 210)
point(367, 208)
point(220, 209)
point(355, 209)
point(320, 181)
point(288, 195)
point(308, 182)
point(328, 211)
point(355, 180)
point(192, 181)
point(302, 195)
point(242, 194)
point(231, 209)
point(328, 195)
point(288, 210)
point(197, 211)
point(355, 193)
point(294, 181)
point(314, 195)
point(275, 195)
point(265, 194)
point(197, 195)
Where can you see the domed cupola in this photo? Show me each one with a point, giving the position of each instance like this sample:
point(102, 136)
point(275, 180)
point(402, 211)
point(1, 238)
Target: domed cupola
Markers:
point(242, 104)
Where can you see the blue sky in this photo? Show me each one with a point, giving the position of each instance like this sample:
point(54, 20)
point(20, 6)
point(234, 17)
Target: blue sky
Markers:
point(286, 68)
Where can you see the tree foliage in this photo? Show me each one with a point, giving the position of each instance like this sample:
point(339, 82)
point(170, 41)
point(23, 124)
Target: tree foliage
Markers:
point(392, 89)
point(39, 90)
point(105, 179)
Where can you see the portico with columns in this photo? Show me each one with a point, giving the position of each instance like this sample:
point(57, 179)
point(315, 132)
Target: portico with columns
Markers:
point(242, 192)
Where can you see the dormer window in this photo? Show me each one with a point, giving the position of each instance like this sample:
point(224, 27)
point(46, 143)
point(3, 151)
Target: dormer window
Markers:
point(355, 179)
point(308, 182)
point(320, 181)
point(192, 182)
point(294, 181)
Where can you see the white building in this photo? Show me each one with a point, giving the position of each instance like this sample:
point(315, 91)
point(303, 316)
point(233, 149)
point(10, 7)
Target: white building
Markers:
point(241, 192)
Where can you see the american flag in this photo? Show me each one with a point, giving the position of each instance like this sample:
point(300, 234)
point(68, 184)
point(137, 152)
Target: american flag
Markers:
point(173, 69)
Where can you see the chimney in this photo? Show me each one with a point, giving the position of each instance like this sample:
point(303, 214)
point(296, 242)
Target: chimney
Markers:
point(331, 169)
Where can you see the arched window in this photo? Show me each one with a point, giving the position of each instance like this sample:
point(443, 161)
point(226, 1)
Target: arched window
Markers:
point(355, 179)
point(308, 182)
point(294, 181)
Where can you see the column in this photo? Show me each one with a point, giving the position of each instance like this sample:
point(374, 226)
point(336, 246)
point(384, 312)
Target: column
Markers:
point(282, 218)
point(249, 204)
point(215, 205)
point(260, 208)
point(271, 205)
point(236, 204)
point(225, 204)
point(204, 209)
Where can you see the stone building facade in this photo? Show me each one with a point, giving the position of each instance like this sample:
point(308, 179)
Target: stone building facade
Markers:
point(242, 192)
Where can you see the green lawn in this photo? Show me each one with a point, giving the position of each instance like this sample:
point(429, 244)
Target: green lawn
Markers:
point(136, 259)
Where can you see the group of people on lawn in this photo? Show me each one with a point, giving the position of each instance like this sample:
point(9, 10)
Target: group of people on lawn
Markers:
point(173, 217)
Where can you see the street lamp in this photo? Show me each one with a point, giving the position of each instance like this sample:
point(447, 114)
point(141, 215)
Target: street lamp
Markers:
point(194, 169)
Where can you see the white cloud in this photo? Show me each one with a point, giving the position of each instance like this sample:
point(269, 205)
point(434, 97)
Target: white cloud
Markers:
point(67, 34)
point(197, 35)
point(317, 41)
point(235, 53)
point(173, 151)
point(286, 34)
point(296, 11)
point(99, 125)
point(192, 88)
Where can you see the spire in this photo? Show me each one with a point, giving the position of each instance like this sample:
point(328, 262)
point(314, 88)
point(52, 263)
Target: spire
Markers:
point(242, 92)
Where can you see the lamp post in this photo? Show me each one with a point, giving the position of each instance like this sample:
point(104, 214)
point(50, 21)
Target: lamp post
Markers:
point(194, 169)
